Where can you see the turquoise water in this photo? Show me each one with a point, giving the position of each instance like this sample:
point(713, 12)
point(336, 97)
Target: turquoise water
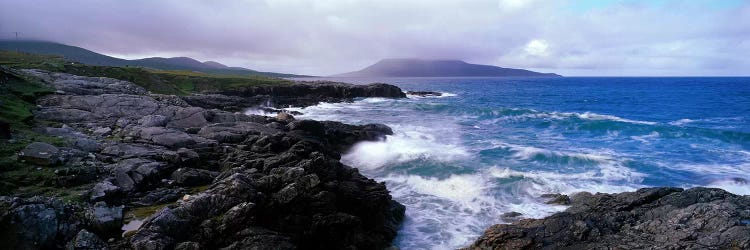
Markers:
point(494, 145)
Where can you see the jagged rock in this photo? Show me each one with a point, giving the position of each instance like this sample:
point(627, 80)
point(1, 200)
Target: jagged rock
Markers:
point(40, 153)
point(190, 177)
point(310, 93)
point(86, 240)
point(650, 218)
point(556, 199)
point(104, 219)
point(511, 216)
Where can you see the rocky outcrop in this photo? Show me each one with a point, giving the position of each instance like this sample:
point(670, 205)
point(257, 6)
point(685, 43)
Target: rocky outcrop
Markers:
point(650, 218)
point(311, 93)
point(424, 93)
point(225, 180)
point(40, 153)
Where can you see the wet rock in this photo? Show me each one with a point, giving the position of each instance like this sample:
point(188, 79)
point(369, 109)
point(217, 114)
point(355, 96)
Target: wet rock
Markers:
point(40, 153)
point(556, 199)
point(511, 216)
point(650, 218)
point(284, 116)
point(86, 240)
point(190, 177)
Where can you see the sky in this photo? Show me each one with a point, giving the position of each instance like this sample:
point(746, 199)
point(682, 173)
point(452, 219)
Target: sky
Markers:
point(568, 37)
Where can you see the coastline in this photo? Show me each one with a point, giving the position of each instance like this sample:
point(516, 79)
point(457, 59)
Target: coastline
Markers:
point(237, 181)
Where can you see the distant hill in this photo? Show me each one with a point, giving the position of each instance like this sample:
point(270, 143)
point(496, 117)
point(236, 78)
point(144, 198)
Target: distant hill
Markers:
point(92, 58)
point(437, 68)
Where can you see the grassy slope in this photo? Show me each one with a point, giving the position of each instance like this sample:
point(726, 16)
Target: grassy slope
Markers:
point(174, 82)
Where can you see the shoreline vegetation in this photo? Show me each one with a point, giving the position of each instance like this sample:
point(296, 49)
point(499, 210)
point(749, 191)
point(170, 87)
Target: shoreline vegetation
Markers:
point(86, 150)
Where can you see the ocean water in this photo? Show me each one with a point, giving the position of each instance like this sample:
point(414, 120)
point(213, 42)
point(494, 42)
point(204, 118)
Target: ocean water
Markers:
point(494, 145)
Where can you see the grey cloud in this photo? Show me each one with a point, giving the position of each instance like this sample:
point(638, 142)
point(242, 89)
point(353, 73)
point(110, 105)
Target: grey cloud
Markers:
point(329, 36)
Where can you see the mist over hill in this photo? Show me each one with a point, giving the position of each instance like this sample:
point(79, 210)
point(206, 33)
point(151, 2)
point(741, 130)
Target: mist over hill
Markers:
point(438, 68)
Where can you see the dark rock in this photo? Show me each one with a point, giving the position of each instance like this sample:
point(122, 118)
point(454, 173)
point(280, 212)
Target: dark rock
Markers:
point(40, 153)
point(104, 190)
point(36, 223)
point(192, 117)
point(557, 199)
point(104, 219)
point(190, 177)
point(311, 93)
point(133, 174)
point(4, 130)
point(511, 216)
point(650, 218)
point(86, 240)
point(284, 116)
point(424, 93)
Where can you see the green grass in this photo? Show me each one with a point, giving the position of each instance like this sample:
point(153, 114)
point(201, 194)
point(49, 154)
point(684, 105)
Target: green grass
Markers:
point(176, 82)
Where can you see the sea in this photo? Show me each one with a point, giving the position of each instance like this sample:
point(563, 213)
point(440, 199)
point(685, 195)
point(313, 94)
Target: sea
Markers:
point(490, 146)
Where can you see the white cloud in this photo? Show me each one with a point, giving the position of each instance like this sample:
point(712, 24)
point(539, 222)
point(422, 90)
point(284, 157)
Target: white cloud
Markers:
point(536, 47)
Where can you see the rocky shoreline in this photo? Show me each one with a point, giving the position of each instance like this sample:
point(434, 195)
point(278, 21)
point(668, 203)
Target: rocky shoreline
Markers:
point(650, 218)
point(190, 172)
point(210, 178)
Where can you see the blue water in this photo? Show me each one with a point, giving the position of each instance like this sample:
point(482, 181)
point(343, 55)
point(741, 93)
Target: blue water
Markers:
point(494, 145)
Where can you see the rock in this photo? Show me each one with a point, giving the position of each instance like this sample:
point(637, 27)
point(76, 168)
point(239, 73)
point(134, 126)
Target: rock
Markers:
point(102, 131)
point(86, 240)
point(82, 85)
point(192, 117)
point(134, 174)
point(650, 218)
point(556, 199)
point(424, 93)
point(284, 116)
point(188, 245)
point(104, 219)
point(190, 177)
point(302, 94)
point(36, 223)
point(153, 121)
point(4, 130)
point(511, 216)
point(40, 153)
point(104, 190)
point(170, 138)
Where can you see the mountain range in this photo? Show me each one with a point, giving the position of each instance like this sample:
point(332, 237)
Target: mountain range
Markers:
point(85, 56)
point(438, 68)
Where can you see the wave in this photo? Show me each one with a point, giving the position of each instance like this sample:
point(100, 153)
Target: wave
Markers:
point(442, 95)
point(403, 146)
point(516, 114)
point(737, 186)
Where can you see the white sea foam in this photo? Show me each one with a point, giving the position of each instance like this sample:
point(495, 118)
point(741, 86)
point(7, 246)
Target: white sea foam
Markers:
point(255, 111)
point(646, 139)
point(740, 187)
point(533, 114)
point(681, 122)
point(442, 95)
point(404, 146)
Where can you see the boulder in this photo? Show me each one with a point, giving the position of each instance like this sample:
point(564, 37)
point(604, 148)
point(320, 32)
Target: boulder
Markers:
point(104, 190)
point(40, 153)
point(36, 223)
point(192, 117)
point(650, 218)
point(556, 199)
point(105, 220)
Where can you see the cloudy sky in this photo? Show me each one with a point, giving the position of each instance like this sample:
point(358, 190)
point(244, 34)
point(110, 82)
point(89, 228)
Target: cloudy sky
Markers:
point(586, 37)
